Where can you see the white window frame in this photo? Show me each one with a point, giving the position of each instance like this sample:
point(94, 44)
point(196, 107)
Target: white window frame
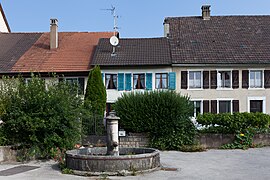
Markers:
point(225, 99)
point(188, 84)
point(132, 81)
point(219, 79)
point(104, 80)
point(74, 77)
point(201, 107)
point(154, 74)
point(261, 98)
point(255, 78)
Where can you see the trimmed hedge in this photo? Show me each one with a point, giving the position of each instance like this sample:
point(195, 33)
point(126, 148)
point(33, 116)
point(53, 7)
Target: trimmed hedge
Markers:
point(231, 123)
point(163, 114)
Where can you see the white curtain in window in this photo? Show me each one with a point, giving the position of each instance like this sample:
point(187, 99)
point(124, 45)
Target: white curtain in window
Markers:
point(108, 77)
point(258, 80)
point(158, 81)
point(135, 81)
point(164, 82)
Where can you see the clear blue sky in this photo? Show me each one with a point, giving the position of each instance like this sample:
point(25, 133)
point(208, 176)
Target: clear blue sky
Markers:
point(138, 18)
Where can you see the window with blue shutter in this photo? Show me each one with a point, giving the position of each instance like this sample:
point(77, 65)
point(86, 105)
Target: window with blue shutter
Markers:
point(102, 75)
point(148, 81)
point(120, 81)
point(128, 82)
point(172, 80)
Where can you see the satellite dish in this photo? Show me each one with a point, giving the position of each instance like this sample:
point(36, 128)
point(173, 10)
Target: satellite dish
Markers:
point(114, 41)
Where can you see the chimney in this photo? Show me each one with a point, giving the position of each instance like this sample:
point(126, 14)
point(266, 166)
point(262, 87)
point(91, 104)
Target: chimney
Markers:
point(206, 12)
point(166, 28)
point(54, 34)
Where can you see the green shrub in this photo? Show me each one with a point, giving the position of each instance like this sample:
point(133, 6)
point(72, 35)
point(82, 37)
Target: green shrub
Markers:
point(39, 116)
point(231, 123)
point(95, 94)
point(164, 114)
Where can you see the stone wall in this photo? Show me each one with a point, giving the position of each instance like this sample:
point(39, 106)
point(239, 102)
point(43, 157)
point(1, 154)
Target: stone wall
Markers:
point(7, 154)
point(131, 140)
point(206, 140)
point(134, 140)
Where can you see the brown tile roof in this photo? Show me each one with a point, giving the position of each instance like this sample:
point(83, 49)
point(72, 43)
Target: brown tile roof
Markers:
point(133, 52)
point(13, 46)
point(222, 39)
point(73, 54)
point(4, 16)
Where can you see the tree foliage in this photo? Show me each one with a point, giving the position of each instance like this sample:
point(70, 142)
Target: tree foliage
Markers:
point(39, 115)
point(95, 92)
point(163, 114)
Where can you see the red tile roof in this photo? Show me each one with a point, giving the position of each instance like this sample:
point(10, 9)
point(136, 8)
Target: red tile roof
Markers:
point(73, 54)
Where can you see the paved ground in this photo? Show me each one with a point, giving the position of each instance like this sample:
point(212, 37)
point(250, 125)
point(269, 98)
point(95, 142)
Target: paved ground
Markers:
point(212, 164)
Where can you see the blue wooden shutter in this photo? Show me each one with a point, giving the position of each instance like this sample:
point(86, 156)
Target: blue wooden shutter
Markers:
point(172, 80)
point(128, 82)
point(120, 81)
point(148, 81)
point(102, 75)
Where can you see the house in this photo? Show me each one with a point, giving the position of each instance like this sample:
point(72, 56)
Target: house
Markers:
point(134, 65)
point(68, 54)
point(221, 62)
point(4, 27)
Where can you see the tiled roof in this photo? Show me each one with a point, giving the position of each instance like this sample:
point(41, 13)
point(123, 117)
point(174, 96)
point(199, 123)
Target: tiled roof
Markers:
point(222, 40)
point(30, 52)
point(13, 46)
point(133, 52)
point(74, 53)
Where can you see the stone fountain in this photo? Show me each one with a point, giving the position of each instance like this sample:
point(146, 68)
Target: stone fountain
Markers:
point(112, 160)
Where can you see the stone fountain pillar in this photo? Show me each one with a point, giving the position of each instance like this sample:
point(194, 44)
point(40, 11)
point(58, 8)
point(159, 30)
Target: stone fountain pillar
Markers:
point(112, 134)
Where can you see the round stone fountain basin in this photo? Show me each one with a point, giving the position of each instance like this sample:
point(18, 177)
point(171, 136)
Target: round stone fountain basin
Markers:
point(94, 161)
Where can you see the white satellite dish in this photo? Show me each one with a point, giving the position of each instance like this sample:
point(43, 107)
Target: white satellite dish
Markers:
point(114, 41)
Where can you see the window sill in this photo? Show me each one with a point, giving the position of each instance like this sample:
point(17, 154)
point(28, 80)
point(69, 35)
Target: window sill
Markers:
point(195, 89)
point(224, 89)
point(254, 88)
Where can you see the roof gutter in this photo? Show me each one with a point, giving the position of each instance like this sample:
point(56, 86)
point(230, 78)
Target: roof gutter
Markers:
point(220, 65)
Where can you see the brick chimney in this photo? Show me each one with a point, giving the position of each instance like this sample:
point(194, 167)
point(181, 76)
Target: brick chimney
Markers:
point(54, 34)
point(206, 12)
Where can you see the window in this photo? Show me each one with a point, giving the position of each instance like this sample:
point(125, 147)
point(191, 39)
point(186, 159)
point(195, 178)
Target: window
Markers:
point(161, 81)
point(77, 81)
point(111, 81)
point(224, 79)
point(194, 80)
point(224, 107)
point(109, 108)
point(255, 79)
point(138, 81)
point(197, 108)
point(256, 106)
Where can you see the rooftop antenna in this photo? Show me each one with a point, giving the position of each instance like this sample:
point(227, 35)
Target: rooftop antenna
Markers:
point(114, 40)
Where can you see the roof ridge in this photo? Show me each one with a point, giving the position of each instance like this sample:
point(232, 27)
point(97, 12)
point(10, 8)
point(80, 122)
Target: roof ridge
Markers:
point(240, 15)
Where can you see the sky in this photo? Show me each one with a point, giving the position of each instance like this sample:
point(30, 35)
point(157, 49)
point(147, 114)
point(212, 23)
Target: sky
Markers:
point(137, 18)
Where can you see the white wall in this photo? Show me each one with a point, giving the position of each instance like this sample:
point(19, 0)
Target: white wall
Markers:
point(3, 27)
point(113, 94)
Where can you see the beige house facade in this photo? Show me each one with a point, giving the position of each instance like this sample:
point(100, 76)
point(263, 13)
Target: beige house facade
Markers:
point(225, 89)
point(221, 62)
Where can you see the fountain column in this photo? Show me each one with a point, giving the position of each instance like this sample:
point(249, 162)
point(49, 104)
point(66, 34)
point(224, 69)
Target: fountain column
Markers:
point(112, 134)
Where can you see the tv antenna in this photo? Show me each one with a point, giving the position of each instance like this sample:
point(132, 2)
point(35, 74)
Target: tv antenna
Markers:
point(115, 17)
point(114, 39)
